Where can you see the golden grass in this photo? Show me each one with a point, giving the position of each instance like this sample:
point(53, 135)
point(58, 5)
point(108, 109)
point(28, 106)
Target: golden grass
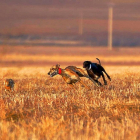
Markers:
point(46, 108)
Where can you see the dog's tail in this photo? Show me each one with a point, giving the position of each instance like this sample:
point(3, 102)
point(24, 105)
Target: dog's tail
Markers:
point(99, 60)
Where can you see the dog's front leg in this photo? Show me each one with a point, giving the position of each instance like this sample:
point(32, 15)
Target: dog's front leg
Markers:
point(107, 75)
point(97, 78)
point(95, 82)
point(72, 86)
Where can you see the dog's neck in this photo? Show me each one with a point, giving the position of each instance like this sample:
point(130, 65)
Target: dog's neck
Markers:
point(89, 67)
point(59, 71)
point(62, 72)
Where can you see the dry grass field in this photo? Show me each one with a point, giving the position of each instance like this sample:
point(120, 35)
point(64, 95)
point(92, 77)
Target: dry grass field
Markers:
point(45, 108)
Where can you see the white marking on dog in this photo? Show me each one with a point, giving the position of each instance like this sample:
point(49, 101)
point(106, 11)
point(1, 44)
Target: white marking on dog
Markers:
point(89, 66)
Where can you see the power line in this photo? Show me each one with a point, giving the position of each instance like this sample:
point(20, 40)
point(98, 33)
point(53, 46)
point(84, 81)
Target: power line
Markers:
point(110, 28)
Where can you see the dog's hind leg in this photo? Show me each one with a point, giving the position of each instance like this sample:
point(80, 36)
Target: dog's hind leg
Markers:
point(82, 83)
point(103, 70)
point(107, 75)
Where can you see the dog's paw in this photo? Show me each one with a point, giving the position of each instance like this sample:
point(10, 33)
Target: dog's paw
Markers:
point(105, 83)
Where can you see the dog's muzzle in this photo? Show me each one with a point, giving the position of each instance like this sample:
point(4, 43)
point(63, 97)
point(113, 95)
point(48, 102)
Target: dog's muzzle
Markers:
point(85, 67)
point(53, 74)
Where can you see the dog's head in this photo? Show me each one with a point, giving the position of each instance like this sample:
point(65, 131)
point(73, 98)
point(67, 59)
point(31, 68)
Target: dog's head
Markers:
point(86, 64)
point(54, 70)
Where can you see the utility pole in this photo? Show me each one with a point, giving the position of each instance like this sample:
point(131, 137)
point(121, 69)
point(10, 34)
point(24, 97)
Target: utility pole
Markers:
point(110, 27)
point(81, 23)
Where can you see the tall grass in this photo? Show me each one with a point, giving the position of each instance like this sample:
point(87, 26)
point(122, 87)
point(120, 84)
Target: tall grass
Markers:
point(48, 109)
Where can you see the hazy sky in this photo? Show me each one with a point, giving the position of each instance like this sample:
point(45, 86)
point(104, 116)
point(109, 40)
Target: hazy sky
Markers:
point(20, 16)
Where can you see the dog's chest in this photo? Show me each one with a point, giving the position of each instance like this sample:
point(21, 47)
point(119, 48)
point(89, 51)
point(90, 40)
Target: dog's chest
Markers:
point(90, 72)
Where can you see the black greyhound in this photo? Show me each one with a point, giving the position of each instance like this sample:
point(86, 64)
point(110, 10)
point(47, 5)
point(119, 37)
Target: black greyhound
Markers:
point(95, 70)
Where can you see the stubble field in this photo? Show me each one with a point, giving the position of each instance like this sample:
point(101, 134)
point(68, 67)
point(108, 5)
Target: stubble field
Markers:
point(47, 108)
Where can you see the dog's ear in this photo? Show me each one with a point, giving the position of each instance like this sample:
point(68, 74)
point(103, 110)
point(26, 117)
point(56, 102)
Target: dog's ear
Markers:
point(57, 65)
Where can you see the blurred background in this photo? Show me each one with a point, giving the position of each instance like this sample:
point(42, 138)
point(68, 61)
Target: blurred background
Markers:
point(50, 27)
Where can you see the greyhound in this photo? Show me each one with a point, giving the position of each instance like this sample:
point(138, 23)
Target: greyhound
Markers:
point(95, 71)
point(70, 74)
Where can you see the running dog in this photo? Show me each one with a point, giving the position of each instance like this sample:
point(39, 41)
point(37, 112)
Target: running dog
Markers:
point(70, 74)
point(9, 85)
point(95, 71)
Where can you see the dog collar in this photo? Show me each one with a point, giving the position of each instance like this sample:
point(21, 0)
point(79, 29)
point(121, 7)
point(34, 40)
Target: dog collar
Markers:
point(59, 71)
point(89, 66)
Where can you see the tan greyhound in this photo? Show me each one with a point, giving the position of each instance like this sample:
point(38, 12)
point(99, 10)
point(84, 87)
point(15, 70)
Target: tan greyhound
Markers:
point(70, 74)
